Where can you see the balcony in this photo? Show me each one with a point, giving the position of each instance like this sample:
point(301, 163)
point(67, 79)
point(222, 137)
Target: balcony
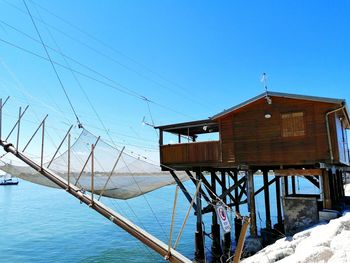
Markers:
point(194, 153)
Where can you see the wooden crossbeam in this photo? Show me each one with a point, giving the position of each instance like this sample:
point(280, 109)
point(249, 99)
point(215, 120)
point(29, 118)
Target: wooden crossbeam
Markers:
point(242, 192)
point(183, 189)
point(298, 172)
point(224, 187)
point(235, 181)
point(262, 188)
point(313, 180)
point(195, 183)
point(233, 187)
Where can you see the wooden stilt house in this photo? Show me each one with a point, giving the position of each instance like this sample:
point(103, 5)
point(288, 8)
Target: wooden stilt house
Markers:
point(292, 135)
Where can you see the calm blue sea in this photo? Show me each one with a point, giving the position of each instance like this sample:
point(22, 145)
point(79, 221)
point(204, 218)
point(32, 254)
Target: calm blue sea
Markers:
point(41, 224)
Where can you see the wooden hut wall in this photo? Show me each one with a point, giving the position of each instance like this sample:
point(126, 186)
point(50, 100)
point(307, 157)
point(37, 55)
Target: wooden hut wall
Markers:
point(257, 140)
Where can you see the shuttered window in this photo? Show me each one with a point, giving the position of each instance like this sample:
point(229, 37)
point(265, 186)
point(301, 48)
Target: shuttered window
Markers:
point(293, 124)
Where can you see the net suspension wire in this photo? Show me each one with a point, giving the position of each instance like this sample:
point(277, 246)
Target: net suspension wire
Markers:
point(79, 123)
point(103, 54)
point(53, 65)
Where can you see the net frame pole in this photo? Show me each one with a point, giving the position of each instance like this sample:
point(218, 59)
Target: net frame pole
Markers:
point(20, 117)
point(110, 175)
point(18, 126)
point(59, 147)
point(42, 145)
point(92, 173)
point(68, 164)
point(1, 106)
point(86, 162)
point(1, 118)
point(36, 131)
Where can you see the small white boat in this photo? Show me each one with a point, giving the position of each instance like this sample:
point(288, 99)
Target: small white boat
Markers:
point(8, 180)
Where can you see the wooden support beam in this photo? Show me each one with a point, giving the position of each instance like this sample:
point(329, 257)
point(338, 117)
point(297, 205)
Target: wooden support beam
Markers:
point(235, 179)
point(243, 192)
point(267, 199)
point(298, 172)
point(327, 201)
point(221, 184)
point(204, 195)
point(342, 183)
point(251, 203)
point(234, 176)
point(183, 189)
point(278, 201)
point(208, 186)
point(231, 188)
point(227, 236)
point(313, 180)
point(286, 188)
point(293, 185)
point(240, 243)
point(262, 188)
point(215, 227)
point(199, 235)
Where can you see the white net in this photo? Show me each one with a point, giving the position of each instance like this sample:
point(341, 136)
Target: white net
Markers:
point(131, 176)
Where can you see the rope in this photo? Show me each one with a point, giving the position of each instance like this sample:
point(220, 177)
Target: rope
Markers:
point(168, 255)
point(186, 217)
point(53, 66)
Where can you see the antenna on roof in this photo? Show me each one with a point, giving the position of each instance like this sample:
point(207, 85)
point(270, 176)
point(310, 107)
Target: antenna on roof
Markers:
point(264, 81)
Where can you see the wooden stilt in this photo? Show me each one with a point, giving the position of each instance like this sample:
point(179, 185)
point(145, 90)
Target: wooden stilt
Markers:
point(199, 236)
point(238, 227)
point(251, 203)
point(342, 183)
point(227, 236)
point(278, 203)
point(235, 176)
point(267, 199)
point(327, 201)
point(285, 181)
point(215, 227)
point(238, 221)
point(293, 185)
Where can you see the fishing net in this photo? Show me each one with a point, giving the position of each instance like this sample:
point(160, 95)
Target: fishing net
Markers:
point(116, 173)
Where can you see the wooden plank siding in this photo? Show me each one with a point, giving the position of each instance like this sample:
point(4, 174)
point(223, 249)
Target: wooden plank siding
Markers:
point(191, 153)
point(257, 140)
point(287, 132)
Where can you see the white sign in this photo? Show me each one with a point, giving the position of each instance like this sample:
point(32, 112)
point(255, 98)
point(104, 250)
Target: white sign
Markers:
point(223, 218)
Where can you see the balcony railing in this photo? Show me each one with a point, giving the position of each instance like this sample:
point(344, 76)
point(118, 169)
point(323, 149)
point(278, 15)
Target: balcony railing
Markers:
point(191, 153)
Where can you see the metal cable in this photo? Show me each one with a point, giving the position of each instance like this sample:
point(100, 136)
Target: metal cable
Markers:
point(53, 66)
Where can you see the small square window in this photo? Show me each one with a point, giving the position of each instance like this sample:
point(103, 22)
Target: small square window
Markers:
point(293, 124)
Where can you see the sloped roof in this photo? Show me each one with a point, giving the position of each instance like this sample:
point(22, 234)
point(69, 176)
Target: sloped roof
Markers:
point(278, 94)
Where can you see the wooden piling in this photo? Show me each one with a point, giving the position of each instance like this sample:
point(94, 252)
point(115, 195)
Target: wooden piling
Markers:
point(199, 235)
point(327, 200)
point(251, 203)
point(235, 178)
point(267, 199)
point(286, 188)
point(215, 227)
point(226, 236)
point(293, 185)
point(278, 202)
point(237, 221)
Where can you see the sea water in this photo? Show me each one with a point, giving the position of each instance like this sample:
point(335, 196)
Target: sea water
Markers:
point(41, 224)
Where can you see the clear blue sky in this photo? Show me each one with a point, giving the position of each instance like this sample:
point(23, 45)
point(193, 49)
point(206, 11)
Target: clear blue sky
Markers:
point(194, 58)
